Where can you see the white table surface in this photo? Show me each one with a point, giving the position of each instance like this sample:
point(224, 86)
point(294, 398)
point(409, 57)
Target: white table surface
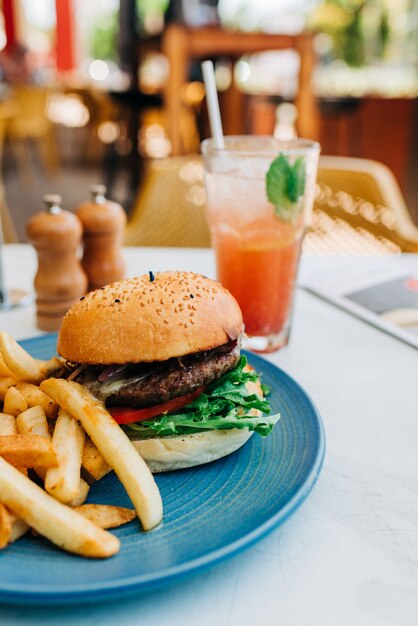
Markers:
point(349, 555)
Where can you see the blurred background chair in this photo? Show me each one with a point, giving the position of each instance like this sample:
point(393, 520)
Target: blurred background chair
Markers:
point(31, 125)
point(358, 208)
point(96, 119)
point(169, 210)
point(7, 112)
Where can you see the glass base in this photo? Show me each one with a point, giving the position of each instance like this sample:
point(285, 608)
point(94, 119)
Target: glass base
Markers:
point(15, 298)
point(269, 343)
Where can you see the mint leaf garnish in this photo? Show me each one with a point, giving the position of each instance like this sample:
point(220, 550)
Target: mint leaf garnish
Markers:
point(276, 180)
point(285, 186)
point(296, 180)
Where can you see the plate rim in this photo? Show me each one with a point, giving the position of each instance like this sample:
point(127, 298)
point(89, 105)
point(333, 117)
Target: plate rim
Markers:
point(110, 590)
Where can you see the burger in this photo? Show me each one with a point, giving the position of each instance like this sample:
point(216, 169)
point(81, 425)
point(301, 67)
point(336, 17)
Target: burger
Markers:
point(162, 352)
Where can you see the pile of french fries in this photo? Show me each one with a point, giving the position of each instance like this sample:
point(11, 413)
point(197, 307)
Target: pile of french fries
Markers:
point(56, 440)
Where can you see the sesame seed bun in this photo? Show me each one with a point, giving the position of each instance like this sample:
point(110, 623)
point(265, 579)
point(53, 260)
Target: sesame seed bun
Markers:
point(144, 320)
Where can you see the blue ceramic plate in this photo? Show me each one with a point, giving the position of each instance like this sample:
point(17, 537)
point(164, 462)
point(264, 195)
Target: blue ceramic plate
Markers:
point(210, 512)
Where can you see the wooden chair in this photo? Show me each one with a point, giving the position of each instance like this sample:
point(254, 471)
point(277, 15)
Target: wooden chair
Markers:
point(182, 44)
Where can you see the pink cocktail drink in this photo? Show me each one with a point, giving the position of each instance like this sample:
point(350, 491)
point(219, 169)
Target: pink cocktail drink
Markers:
point(257, 249)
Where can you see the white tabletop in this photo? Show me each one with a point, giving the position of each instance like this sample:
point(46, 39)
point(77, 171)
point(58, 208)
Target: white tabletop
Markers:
point(349, 555)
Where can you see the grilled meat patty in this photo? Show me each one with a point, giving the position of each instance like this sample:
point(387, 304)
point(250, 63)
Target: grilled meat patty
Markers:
point(141, 385)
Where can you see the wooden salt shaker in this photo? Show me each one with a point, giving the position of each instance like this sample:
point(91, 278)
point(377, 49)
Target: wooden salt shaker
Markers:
point(60, 279)
point(104, 223)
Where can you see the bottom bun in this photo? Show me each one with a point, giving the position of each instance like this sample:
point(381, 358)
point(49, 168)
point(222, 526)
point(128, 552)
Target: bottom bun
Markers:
point(180, 451)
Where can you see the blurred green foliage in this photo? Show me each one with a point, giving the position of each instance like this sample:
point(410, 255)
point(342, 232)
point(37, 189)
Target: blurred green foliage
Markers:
point(103, 41)
point(104, 37)
point(149, 8)
point(359, 28)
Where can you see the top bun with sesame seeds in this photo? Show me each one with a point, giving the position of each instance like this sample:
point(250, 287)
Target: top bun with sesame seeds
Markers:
point(149, 318)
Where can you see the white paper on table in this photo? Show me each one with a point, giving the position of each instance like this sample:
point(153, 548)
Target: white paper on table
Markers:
point(385, 297)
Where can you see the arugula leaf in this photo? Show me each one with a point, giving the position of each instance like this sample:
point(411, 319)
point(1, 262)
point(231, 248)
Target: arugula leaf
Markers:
point(265, 389)
point(225, 404)
point(285, 186)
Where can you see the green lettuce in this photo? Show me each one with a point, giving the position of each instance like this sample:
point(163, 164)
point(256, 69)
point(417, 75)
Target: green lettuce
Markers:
point(225, 403)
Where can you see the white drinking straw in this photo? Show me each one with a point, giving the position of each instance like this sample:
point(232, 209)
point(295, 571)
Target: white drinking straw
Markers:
point(213, 105)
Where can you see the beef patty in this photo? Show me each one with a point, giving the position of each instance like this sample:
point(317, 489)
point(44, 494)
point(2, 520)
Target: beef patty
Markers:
point(141, 385)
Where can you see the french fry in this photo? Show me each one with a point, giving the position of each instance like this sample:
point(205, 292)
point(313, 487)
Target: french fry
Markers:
point(35, 397)
point(11, 527)
point(27, 451)
point(60, 524)
point(93, 462)
point(4, 370)
point(5, 526)
point(5, 383)
point(19, 527)
point(63, 481)
point(113, 444)
point(33, 422)
point(106, 515)
point(14, 402)
point(8, 427)
point(21, 364)
point(81, 497)
point(7, 424)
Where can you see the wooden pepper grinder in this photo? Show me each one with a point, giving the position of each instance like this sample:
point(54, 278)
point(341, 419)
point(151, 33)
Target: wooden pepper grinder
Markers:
point(104, 223)
point(60, 279)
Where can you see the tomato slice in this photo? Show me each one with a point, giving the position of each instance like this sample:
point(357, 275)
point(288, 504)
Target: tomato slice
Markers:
point(126, 415)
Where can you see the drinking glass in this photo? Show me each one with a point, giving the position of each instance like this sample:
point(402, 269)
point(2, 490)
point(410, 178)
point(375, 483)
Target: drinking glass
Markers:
point(259, 201)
